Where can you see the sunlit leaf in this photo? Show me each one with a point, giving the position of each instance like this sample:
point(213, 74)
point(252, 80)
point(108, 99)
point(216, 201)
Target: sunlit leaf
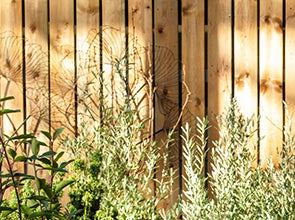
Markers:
point(63, 184)
point(7, 111)
point(11, 152)
point(47, 134)
point(6, 98)
point(57, 133)
point(35, 146)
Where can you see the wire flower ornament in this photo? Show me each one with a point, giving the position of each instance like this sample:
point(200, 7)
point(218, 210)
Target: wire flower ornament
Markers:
point(112, 68)
point(24, 64)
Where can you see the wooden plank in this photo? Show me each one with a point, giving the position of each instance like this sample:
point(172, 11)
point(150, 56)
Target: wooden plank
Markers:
point(290, 56)
point(193, 39)
point(246, 60)
point(193, 61)
point(114, 50)
point(36, 34)
point(11, 62)
point(140, 37)
point(271, 75)
point(88, 67)
point(245, 56)
point(166, 78)
point(11, 69)
point(219, 57)
point(62, 79)
point(219, 65)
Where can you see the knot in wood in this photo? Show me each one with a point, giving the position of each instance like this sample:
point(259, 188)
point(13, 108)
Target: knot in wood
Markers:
point(33, 28)
point(165, 91)
point(267, 19)
point(160, 30)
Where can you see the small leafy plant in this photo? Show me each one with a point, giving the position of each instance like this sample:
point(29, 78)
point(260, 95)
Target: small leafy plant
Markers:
point(240, 188)
point(36, 195)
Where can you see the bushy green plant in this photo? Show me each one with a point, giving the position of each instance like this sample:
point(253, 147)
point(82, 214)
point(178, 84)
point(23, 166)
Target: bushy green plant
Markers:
point(115, 158)
point(33, 196)
point(114, 170)
point(240, 188)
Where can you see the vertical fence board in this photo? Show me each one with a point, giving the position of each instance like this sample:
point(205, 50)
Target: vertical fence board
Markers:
point(290, 55)
point(11, 69)
point(139, 50)
point(271, 67)
point(245, 56)
point(246, 59)
point(193, 57)
point(219, 64)
point(36, 57)
point(193, 60)
point(113, 49)
point(11, 62)
point(166, 82)
point(88, 59)
point(62, 80)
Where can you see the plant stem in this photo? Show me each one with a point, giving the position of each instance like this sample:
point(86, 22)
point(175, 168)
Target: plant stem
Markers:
point(12, 177)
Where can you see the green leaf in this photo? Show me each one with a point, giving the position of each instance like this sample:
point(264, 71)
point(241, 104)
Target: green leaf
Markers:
point(11, 152)
point(38, 182)
point(59, 155)
point(20, 158)
point(7, 111)
point(5, 211)
point(35, 146)
point(22, 136)
point(63, 184)
point(5, 208)
point(26, 209)
point(48, 154)
point(47, 134)
point(45, 160)
point(6, 98)
point(57, 133)
point(5, 175)
point(37, 214)
point(64, 164)
point(46, 189)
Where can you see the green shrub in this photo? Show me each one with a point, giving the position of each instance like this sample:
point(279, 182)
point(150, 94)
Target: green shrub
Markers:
point(33, 196)
point(241, 189)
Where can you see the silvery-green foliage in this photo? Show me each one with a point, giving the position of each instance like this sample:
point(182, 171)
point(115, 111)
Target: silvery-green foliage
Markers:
point(240, 187)
point(195, 203)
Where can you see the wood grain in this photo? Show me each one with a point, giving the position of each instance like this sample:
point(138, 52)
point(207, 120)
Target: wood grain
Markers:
point(290, 56)
point(11, 62)
point(219, 65)
point(271, 75)
point(36, 57)
point(166, 78)
point(62, 66)
point(88, 60)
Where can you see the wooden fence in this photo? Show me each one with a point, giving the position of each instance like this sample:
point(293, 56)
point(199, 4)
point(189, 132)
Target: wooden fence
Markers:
point(219, 48)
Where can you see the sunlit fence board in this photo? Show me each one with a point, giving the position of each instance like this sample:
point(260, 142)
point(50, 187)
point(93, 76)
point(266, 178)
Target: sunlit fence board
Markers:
point(271, 78)
point(193, 58)
point(113, 50)
point(11, 47)
point(62, 65)
point(193, 65)
point(219, 64)
point(166, 78)
point(36, 65)
point(246, 60)
point(245, 56)
point(87, 60)
point(140, 38)
point(290, 56)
